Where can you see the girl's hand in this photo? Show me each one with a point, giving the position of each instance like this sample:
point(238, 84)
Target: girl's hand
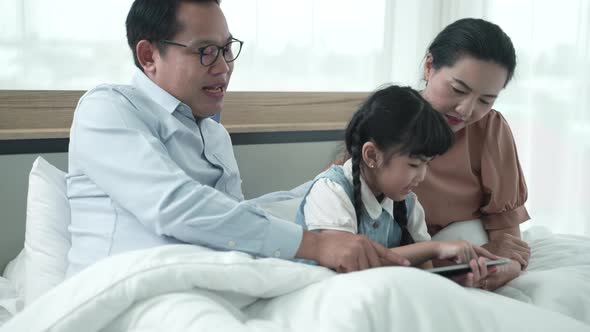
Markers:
point(461, 251)
point(479, 276)
point(476, 257)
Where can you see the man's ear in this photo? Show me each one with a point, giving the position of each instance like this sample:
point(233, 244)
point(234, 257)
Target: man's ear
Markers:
point(371, 154)
point(147, 53)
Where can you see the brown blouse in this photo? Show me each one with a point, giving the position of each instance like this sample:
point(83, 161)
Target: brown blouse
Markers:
point(479, 177)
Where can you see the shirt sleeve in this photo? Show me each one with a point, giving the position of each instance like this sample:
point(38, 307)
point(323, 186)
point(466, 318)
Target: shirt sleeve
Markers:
point(504, 187)
point(328, 207)
point(122, 153)
point(417, 224)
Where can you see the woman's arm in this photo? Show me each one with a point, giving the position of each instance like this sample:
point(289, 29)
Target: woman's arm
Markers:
point(504, 190)
point(506, 242)
point(495, 234)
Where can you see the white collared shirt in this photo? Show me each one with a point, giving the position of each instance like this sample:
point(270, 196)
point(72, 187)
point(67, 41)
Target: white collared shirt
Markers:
point(329, 207)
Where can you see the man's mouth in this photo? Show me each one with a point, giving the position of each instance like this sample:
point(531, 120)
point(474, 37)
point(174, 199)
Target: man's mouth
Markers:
point(217, 90)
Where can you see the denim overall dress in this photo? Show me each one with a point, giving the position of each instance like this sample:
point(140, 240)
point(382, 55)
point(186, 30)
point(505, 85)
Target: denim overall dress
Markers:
point(383, 230)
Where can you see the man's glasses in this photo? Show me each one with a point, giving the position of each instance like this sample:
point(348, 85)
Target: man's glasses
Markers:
point(209, 53)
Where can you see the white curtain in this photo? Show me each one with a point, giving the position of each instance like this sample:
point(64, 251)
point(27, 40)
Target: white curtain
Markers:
point(547, 104)
point(351, 45)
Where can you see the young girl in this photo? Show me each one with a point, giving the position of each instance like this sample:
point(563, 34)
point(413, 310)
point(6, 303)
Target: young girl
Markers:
point(391, 139)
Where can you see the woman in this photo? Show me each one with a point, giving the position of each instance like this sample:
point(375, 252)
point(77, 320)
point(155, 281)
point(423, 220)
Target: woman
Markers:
point(466, 67)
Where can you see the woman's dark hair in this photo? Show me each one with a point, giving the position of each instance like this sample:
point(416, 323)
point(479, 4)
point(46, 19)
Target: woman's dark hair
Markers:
point(398, 121)
point(154, 20)
point(478, 38)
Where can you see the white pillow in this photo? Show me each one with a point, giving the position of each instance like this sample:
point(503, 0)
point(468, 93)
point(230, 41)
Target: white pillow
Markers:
point(10, 301)
point(470, 230)
point(47, 239)
point(285, 209)
point(15, 272)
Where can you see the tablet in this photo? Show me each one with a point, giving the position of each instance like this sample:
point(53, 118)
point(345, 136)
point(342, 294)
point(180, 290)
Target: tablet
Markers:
point(453, 270)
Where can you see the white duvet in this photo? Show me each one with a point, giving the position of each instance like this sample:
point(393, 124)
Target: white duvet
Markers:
point(182, 288)
point(558, 276)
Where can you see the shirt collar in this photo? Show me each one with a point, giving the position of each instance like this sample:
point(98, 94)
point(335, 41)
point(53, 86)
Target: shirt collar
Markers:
point(157, 94)
point(372, 205)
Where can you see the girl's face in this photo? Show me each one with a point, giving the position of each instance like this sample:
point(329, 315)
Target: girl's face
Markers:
point(397, 177)
point(465, 92)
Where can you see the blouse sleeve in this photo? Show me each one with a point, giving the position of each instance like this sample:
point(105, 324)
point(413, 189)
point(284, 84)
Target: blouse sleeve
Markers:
point(417, 224)
point(503, 184)
point(328, 207)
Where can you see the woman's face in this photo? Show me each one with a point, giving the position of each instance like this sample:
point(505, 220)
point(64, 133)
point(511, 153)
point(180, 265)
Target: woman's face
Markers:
point(465, 92)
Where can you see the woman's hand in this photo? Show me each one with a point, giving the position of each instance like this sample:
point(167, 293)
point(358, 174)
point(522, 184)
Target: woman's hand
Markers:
point(510, 246)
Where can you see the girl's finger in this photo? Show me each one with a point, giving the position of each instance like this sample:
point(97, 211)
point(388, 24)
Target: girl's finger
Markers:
point(475, 270)
point(469, 280)
point(483, 269)
point(483, 252)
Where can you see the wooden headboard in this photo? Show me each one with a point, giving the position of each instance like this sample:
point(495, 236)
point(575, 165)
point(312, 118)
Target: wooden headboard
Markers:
point(30, 116)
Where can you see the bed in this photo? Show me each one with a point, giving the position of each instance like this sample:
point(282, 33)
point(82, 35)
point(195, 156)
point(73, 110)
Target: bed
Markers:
point(185, 287)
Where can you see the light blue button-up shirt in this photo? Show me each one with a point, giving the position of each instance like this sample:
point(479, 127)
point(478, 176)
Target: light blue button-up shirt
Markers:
point(144, 172)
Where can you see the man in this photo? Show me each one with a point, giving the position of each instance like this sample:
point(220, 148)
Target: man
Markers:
point(148, 167)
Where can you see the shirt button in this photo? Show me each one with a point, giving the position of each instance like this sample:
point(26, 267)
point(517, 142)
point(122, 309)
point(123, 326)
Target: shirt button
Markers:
point(231, 244)
point(375, 224)
point(277, 254)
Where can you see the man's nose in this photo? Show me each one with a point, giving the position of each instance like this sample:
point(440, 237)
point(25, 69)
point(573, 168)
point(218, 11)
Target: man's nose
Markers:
point(220, 66)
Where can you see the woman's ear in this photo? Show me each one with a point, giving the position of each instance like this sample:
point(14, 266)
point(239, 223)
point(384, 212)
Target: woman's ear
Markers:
point(146, 56)
point(371, 154)
point(428, 67)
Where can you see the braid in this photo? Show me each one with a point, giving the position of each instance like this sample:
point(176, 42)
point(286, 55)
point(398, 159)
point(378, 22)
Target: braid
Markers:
point(354, 139)
point(355, 152)
point(400, 214)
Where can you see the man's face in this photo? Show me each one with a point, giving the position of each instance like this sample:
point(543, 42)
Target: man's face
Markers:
point(180, 72)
